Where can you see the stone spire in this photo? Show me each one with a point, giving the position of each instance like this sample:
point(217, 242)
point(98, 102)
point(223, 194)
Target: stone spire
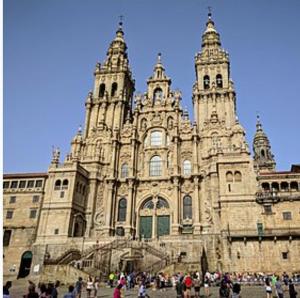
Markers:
point(159, 71)
point(159, 83)
point(210, 37)
point(263, 157)
point(116, 55)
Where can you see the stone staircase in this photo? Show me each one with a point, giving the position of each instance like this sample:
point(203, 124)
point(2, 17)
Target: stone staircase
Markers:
point(96, 259)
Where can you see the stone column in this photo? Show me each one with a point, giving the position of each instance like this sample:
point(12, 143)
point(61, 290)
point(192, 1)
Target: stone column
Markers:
point(195, 151)
point(129, 211)
point(175, 161)
point(109, 207)
point(176, 216)
point(87, 120)
point(154, 219)
point(90, 209)
point(196, 207)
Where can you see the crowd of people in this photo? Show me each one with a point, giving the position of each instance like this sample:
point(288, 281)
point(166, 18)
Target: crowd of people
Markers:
point(229, 285)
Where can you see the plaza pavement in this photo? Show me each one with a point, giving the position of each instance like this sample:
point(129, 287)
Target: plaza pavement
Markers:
point(19, 288)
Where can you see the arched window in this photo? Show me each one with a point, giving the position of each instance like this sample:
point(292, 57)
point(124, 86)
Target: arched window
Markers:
point(206, 82)
point(148, 204)
point(155, 166)
point(294, 185)
point(156, 138)
point(237, 176)
point(65, 184)
point(187, 207)
point(229, 177)
point(101, 90)
point(122, 210)
point(219, 81)
point(265, 186)
point(157, 94)
point(114, 88)
point(187, 167)
point(284, 186)
point(275, 186)
point(124, 170)
point(57, 184)
point(262, 153)
point(162, 203)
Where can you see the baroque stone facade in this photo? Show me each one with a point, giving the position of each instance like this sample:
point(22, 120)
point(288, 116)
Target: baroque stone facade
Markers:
point(144, 182)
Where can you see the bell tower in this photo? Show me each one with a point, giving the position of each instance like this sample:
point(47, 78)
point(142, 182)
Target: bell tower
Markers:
point(213, 91)
point(263, 157)
point(111, 99)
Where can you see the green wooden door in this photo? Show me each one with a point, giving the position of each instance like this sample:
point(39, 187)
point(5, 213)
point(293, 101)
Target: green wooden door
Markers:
point(163, 225)
point(146, 226)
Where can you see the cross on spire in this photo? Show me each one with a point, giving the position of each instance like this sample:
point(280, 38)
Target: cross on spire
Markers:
point(121, 20)
point(209, 11)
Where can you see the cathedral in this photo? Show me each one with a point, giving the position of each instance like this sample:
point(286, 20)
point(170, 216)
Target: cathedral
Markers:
point(145, 187)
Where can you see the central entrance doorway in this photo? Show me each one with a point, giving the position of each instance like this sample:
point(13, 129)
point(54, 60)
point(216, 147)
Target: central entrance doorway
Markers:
point(154, 218)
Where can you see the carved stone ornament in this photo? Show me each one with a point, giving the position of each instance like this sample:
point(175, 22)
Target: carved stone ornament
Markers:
point(155, 189)
point(126, 131)
point(188, 187)
point(123, 190)
point(156, 120)
point(185, 127)
point(99, 218)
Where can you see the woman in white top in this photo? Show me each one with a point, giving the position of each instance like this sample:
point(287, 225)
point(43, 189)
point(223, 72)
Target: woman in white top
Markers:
point(89, 287)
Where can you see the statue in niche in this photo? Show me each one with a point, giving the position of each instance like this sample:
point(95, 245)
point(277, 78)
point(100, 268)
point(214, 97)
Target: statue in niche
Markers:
point(207, 212)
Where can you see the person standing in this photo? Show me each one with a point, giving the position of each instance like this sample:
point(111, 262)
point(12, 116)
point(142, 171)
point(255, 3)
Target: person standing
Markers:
point(188, 282)
point(197, 285)
point(278, 287)
point(224, 290)
point(207, 284)
point(70, 293)
point(292, 290)
point(142, 290)
point(89, 287)
point(54, 293)
point(179, 287)
point(111, 278)
point(117, 291)
point(97, 287)
point(236, 290)
point(6, 289)
point(78, 287)
point(268, 288)
point(31, 292)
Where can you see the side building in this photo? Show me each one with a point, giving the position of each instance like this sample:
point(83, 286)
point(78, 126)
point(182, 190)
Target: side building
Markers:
point(23, 196)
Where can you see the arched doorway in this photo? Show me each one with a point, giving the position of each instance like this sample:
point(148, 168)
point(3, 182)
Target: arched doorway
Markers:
point(154, 218)
point(25, 264)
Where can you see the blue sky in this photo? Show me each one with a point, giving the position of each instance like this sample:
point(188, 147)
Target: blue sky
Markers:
point(51, 48)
